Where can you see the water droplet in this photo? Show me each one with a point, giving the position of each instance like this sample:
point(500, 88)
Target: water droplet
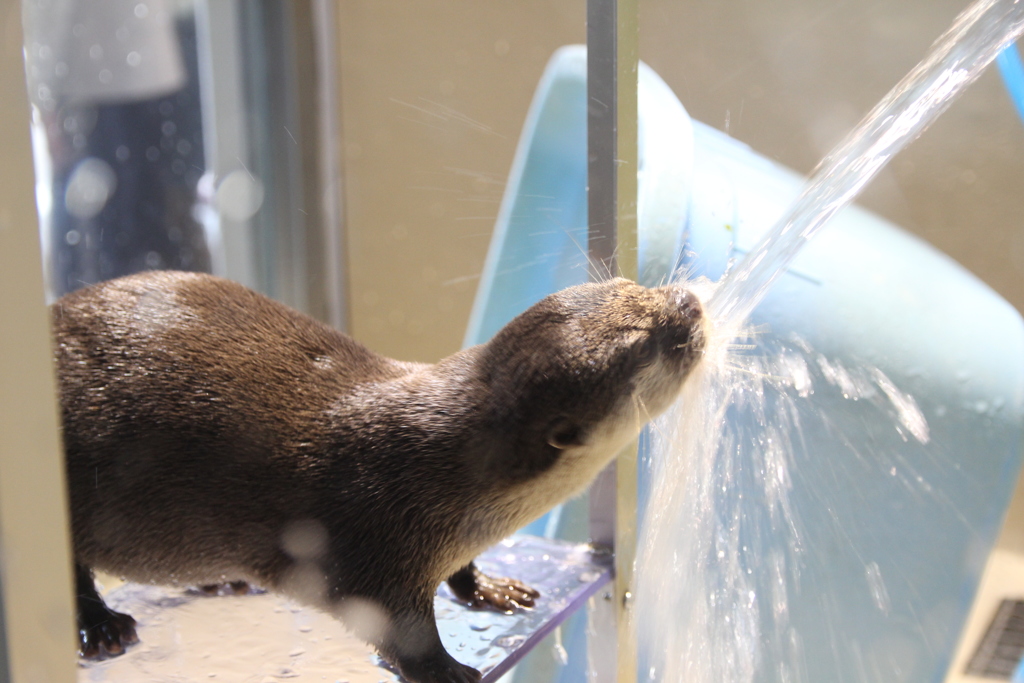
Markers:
point(879, 594)
point(239, 195)
point(510, 642)
point(90, 186)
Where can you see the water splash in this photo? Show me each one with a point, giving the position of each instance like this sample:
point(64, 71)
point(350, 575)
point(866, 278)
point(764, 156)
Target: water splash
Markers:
point(726, 541)
point(698, 535)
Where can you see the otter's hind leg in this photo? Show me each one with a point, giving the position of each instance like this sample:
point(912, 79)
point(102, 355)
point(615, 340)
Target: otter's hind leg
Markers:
point(410, 642)
point(102, 632)
point(476, 588)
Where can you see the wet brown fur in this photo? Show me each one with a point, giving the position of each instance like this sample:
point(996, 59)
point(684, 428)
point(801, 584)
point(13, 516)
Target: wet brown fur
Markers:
point(204, 424)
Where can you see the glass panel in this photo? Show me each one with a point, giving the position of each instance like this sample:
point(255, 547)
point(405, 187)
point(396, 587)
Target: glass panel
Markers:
point(179, 135)
point(118, 139)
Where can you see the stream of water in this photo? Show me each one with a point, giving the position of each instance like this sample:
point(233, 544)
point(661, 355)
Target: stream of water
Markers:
point(956, 59)
point(729, 538)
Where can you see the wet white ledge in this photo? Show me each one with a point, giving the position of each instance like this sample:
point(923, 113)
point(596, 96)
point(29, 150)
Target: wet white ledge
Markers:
point(265, 638)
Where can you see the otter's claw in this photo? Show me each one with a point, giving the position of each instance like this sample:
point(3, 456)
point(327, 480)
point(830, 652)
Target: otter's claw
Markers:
point(473, 586)
point(505, 594)
point(106, 635)
point(102, 632)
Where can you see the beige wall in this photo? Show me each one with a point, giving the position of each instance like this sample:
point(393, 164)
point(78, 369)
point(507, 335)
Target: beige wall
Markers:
point(435, 94)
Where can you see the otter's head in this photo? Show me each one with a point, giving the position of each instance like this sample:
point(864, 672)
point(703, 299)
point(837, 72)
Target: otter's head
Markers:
point(573, 379)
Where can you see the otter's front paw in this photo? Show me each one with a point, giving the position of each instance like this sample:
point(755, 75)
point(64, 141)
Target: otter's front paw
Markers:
point(473, 586)
point(442, 668)
point(105, 633)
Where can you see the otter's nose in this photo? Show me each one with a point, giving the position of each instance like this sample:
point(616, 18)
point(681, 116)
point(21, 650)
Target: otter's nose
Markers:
point(683, 317)
point(682, 306)
point(688, 305)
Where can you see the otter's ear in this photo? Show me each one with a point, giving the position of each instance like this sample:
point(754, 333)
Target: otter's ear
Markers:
point(563, 432)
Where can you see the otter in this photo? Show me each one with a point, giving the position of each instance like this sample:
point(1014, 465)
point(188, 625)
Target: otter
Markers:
point(214, 434)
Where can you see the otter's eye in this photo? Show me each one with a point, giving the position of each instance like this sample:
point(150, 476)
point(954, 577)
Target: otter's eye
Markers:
point(563, 433)
point(644, 352)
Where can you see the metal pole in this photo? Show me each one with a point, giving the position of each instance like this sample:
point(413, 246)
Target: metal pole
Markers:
point(329, 139)
point(612, 63)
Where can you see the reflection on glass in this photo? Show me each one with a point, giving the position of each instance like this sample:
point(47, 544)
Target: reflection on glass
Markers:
point(118, 137)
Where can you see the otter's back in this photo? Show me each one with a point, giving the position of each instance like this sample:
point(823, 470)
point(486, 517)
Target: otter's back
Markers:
point(175, 385)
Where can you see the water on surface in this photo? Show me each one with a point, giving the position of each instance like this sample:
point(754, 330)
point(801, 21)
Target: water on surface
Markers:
point(742, 574)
